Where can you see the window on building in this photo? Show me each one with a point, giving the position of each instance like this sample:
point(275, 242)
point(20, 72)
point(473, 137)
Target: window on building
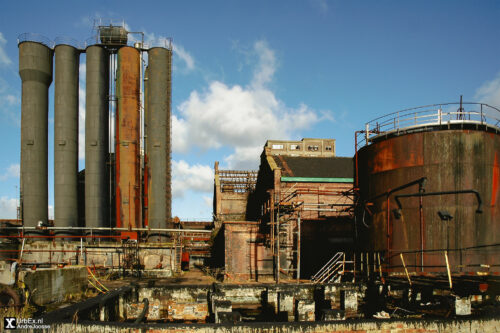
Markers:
point(329, 148)
point(294, 147)
point(277, 146)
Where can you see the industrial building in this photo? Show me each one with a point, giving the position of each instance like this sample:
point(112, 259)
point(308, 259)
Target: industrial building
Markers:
point(402, 236)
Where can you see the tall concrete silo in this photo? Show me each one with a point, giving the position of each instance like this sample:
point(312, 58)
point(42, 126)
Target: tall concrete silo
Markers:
point(67, 60)
point(127, 143)
point(96, 137)
point(158, 137)
point(35, 69)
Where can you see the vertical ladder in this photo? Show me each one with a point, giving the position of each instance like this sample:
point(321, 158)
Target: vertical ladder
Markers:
point(287, 243)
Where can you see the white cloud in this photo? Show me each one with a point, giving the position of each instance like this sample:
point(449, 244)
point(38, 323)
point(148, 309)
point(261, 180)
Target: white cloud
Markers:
point(13, 171)
point(266, 67)
point(4, 58)
point(12, 100)
point(51, 212)
point(8, 208)
point(179, 51)
point(187, 177)
point(321, 5)
point(184, 56)
point(489, 92)
point(241, 117)
point(208, 201)
point(244, 158)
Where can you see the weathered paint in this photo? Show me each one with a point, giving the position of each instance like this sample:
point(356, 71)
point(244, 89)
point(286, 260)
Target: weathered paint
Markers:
point(128, 206)
point(451, 160)
point(495, 183)
point(66, 136)
point(49, 285)
point(96, 137)
point(35, 69)
point(158, 146)
point(245, 257)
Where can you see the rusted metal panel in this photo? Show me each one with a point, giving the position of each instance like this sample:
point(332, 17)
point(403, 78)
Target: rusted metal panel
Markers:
point(128, 206)
point(451, 160)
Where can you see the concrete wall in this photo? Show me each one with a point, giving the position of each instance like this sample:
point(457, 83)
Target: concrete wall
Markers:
point(156, 260)
point(246, 257)
point(48, 285)
point(231, 206)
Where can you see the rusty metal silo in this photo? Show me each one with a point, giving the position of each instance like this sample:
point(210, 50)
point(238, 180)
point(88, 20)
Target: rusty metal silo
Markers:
point(127, 143)
point(96, 137)
point(145, 178)
point(35, 69)
point(455, 209)
point(158, 137)
point(67, 60)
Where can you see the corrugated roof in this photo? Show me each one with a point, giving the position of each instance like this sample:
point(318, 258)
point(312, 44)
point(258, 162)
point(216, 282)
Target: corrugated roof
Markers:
point(315, 167)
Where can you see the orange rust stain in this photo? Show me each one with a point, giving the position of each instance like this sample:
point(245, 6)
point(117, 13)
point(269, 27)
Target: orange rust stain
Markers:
point(128, 206)
point(495, 183)
point(397, 153)
point(145, 183)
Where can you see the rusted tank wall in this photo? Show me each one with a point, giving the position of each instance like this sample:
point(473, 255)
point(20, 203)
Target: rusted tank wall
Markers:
point(245, 257)
point(451, 160)
point(128, 207)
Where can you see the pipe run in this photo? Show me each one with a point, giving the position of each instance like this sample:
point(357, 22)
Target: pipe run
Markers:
point(425, 194)
point(111, 229)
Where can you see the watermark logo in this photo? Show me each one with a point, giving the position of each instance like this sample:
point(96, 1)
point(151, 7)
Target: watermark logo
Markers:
point(12, 323)
point(9, 323)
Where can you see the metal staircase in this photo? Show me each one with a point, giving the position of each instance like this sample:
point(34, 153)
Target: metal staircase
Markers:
point(333, 270)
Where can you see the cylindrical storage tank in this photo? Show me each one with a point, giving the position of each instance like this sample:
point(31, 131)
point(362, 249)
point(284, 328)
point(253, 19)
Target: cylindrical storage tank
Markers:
point(127, 143)
point(145, 189)
point(67, 60)
point(453, 157)
point(35, 69)
point(96, 137)
point(158, 137)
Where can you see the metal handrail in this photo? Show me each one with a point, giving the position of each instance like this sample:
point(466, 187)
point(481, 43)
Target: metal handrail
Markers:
point(328, 267)
point(65, 40)
point(34, 37)
point(322, 269)
point(332, 273)
point(107, 229)
point(430, 115)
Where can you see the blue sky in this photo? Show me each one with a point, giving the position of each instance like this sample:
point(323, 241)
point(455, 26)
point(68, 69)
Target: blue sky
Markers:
point(248, 71)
